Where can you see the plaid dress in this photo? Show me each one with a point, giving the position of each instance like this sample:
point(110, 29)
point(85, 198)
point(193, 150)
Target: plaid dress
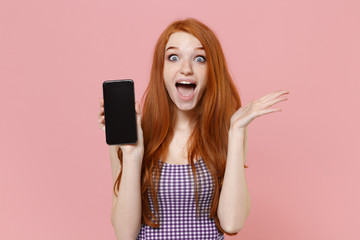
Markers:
point(177, 208)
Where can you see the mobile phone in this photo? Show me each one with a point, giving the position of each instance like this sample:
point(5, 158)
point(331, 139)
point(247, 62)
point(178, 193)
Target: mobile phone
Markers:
point(119, 111)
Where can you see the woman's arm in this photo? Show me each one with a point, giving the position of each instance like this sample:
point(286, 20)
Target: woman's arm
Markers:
point(234, 202)
point(126, 210)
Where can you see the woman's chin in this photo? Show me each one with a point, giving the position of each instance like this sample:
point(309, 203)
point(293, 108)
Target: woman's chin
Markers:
point(185, 107)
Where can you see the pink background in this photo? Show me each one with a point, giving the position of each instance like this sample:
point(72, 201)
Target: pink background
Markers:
point(55, 174)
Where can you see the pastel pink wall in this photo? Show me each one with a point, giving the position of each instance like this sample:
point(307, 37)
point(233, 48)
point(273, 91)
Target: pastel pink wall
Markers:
point(55, 175)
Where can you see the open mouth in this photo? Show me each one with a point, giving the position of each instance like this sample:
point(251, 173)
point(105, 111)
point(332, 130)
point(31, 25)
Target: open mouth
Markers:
point(185, 88)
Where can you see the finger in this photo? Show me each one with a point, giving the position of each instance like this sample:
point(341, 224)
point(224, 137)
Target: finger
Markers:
point(137, 108)
point(101, 112)
point(102, 127)
point(267, 111)
point(138, 113)
point(138, 122)
point(101, 118)
point(101, 102)
point(274, 95)
point(272, 102)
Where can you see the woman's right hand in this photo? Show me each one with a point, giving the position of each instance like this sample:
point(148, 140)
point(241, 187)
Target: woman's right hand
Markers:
point(135, 150)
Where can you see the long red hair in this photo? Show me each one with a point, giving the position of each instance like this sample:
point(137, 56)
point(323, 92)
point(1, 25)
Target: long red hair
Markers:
point(209, 138)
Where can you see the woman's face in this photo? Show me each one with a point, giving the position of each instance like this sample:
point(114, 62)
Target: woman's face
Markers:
point(185, 70)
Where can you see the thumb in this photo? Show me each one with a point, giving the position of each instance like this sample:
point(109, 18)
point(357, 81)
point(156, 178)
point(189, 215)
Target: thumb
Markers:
point(138, 121)
point(138, 114)
point(138, 110)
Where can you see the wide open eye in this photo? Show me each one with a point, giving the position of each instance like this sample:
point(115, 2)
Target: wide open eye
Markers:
point(173, 57)
point(200, 59)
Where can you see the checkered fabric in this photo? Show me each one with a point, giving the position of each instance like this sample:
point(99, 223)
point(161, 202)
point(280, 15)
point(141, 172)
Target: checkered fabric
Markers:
point(176, 195)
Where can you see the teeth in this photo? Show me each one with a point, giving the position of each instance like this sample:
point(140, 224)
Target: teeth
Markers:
point(184, 82)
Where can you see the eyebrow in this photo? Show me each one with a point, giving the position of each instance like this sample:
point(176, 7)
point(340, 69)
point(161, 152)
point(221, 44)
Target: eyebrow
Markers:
point(172, 47)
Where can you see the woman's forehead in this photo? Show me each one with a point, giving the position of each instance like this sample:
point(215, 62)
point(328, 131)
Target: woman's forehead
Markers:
point(183, 40)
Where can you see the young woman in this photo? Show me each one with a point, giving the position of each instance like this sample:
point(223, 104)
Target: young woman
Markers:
point(185, 177)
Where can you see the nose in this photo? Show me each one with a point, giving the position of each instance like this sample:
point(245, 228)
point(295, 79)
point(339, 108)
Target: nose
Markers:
point(186, 67)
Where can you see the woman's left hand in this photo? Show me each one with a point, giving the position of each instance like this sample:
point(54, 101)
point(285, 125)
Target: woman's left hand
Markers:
point(258, 107)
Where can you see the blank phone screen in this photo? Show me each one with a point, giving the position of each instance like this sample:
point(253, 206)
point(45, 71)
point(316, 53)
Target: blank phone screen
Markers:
point(119, 111)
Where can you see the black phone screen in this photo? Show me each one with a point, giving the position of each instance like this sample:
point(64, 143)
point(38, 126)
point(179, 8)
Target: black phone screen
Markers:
point(119, 111)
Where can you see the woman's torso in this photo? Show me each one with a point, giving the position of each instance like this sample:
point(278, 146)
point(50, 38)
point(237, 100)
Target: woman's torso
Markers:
point(176, 196)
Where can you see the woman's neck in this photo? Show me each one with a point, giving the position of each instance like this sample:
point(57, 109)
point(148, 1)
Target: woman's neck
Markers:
point(184, 120)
